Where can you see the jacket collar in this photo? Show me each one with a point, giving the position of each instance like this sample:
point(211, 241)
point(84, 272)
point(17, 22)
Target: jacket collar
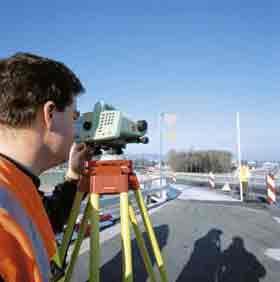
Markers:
point(35, 179)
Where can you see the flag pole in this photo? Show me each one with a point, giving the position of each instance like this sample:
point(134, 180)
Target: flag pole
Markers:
point(239, 153)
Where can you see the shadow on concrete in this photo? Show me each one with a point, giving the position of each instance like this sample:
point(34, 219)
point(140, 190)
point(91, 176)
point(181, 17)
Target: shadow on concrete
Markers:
point(209, 264)
point(237, 264)
point(204, 260)
point(112, 271)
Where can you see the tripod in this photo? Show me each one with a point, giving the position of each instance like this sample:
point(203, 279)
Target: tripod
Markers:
point(107, 177)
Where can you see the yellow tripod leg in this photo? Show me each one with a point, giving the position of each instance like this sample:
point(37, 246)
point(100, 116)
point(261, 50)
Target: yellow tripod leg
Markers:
point(126, 242)
point(151, 235)
point(70, 225)
point(94, 261)
point(141, 245)
point(70, 268)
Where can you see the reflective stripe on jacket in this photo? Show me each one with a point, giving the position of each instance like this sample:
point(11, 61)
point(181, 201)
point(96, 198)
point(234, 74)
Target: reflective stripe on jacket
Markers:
point(27, 242)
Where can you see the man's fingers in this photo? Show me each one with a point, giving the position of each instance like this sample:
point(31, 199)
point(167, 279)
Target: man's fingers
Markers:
point(82, 151)
point(81, 147)
point(85, 153)
point(89, 154)
point(78, 147)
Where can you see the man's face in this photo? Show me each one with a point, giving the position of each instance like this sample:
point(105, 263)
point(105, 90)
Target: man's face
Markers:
point(62, 133)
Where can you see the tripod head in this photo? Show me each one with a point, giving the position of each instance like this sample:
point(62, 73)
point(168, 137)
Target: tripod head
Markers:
point(108, 154)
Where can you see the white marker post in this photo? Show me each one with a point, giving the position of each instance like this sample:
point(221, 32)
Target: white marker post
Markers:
point(211, 180)
point(271, 189)
point(239, 153)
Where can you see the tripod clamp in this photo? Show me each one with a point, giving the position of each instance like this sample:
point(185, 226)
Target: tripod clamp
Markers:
point(109, 177)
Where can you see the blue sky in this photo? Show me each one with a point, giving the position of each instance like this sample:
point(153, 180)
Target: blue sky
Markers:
point(203, 60)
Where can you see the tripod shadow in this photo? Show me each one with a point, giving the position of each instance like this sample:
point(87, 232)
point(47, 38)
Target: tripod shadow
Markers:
point(237, 264)
point(112, 271)
point(204, 260)
point(209, 264)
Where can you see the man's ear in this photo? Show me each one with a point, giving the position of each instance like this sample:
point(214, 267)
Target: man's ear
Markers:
point(49, 112)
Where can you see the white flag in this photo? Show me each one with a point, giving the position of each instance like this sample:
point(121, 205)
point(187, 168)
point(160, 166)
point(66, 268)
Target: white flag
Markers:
point(170, 119)
point(170, 122)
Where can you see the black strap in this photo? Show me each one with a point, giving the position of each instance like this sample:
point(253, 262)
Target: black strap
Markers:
point(56, 272)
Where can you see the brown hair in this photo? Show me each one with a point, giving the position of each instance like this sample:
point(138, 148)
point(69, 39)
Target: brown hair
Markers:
point(28, 81)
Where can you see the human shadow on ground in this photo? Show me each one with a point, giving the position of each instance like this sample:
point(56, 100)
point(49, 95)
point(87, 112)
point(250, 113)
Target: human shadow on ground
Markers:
point(204, 260)
point(238, 265)
point(209, 264)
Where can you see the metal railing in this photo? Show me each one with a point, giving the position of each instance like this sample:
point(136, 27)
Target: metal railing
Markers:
point(150, 186)
point(257, 183)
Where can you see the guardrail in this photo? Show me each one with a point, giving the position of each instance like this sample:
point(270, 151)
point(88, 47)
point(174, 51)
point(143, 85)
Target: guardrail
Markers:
point(149, 187)
point(257, 183)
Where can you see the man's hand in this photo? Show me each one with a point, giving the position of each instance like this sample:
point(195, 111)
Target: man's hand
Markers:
point(79, 153)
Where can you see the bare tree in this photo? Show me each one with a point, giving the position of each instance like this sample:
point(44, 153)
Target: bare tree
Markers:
point(200, 161)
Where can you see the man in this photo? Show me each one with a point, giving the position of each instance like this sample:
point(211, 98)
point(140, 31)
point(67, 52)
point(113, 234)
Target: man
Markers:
point(37, 112)
point(244, 175)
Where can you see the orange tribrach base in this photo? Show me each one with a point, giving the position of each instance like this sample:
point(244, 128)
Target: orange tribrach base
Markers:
point(108, 177)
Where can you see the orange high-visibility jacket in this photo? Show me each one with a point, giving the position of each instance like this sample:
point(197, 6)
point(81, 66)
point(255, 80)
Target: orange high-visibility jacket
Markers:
point(27, 242)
